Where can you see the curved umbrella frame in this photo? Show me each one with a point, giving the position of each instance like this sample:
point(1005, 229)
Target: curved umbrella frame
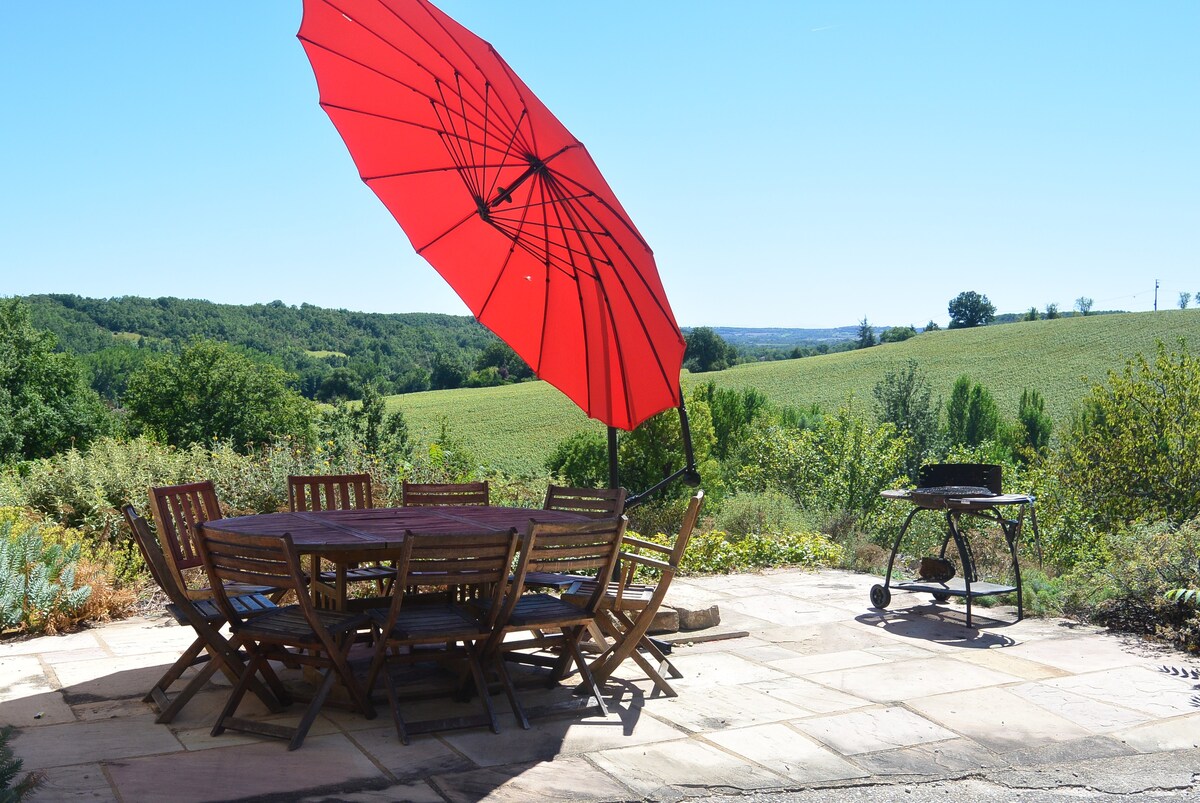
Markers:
point(501, 199)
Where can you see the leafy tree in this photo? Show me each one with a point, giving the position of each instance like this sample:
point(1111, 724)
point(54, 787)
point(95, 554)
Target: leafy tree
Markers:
point(1032, 314)
point(111, 367)
point(971, 414)
point(932, 326)
point(1051, 311)
point(707, 351)
point(1184, 300)
point(897, 334)
point(488, 377)
point(341, 383)
point(733, 412)
point(904, 399)
point(211, 391)
point(645, 456)
point(969, 309)
point(45, 402)
point(581, 460)
point(1036, 424)
point(655, 450)
point(446, 373)
point(509, 366)
point(839, 466)
point(1134, 453)
point(1083, 304)
point(866, 335)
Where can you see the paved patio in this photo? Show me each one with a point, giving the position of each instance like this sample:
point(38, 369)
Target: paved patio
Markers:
point(820, 692)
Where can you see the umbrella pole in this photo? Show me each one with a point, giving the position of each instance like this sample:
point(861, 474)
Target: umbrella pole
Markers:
point(690, 475)
point(614, 476)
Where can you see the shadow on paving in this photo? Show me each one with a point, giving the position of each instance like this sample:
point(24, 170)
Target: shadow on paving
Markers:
point(96, 735)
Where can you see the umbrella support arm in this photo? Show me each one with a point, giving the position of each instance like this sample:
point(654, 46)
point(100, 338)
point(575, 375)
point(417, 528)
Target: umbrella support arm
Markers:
point(688, 473)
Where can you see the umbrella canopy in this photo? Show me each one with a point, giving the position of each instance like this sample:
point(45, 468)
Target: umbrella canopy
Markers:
point(501, 200)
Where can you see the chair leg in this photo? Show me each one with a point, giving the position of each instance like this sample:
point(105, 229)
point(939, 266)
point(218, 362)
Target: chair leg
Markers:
point(239, 690)
point(341, 666)
point(482, 686)
point(394, 701)
point(510, 691)
point(314, 707)
point(654, 675)
point(573, 636)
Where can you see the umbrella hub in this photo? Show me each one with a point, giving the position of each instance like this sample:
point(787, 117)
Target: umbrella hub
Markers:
point(536, 167)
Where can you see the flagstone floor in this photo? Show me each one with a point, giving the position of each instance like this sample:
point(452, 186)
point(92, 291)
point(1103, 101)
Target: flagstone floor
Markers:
point(802, 683)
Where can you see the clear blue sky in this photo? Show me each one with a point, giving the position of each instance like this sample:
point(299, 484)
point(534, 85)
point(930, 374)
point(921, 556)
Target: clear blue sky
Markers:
point(792, 163)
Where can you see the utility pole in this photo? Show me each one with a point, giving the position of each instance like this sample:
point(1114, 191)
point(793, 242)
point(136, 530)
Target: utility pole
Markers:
point(1156, 295)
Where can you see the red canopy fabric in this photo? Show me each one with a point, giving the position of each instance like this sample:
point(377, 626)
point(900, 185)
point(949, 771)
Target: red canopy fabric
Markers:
point(501, 200)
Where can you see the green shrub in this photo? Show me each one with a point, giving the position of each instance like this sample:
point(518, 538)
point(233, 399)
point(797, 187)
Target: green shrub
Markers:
point(38, 591)
point(759, 512)
point(714, 552)
point(1139, 566)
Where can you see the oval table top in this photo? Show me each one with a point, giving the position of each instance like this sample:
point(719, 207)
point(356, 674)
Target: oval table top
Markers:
point(337, 531)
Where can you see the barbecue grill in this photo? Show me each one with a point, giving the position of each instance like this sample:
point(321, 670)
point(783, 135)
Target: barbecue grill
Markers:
point(958, 489)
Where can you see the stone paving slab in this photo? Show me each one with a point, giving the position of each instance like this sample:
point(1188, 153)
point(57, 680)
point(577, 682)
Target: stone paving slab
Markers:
point(998, 719)
point(824, 692)
point(874, 729)
point(785, 750)
point(246, 770)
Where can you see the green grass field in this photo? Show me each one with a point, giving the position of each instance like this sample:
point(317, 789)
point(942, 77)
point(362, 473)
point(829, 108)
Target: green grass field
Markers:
point(514, 427)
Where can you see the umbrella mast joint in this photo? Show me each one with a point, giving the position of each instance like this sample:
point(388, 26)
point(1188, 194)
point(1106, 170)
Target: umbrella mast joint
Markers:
point(689, 474)
point(537, 167)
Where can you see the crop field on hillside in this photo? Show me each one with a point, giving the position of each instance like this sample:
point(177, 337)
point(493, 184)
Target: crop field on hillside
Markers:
point(516, 426)
point(513, 427)
point(1061, 359)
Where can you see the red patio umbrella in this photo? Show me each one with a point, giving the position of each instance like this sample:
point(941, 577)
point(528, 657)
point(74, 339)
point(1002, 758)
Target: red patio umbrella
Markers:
point(501, 200)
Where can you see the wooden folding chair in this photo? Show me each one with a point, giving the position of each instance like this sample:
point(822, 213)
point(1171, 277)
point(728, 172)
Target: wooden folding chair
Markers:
point(421, 628)
point(179, 511)
point(210, 648)
point(299, 634)
point(632, 606)
point(596, 503)
point(339, 492)
point(428, 494)
point(555, 624)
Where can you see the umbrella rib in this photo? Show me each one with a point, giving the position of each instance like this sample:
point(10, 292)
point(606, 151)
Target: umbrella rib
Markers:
point(424, 126)
point(392, 46)
point(454, 143)
point(428, 9)
point(626, 257)
point(554, 188)
point(401, 83)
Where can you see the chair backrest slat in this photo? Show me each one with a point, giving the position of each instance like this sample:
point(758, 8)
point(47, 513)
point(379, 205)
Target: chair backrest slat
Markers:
point(178, 512)
point(330, 492)
point(430, 494)
point(265, 560)
point(152, 554)
point(573, 547)
point(458, 560)
point(599, 503)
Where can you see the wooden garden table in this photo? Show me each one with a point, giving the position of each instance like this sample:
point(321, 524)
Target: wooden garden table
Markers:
point(346, 537)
